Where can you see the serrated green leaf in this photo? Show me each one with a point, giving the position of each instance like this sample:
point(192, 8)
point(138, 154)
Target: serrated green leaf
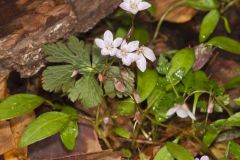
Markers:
point(126, 107)
point(204, 5)
point(18, 105)
point(58, 78)
point(44, 126)
point(163, 154)
point(179, 152)
point(208, 25)
point(149, 77)
point(69, 135)
point(226, 44)
point(122, 132)
point(182, 61)
point(87, 90)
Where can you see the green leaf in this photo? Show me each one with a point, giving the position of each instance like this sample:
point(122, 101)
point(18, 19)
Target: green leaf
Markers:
point(126, 107)
point(163, 65)
point(121, 32)
point(181, 62)
point(179, 152)
point(226, 24)
point(148, 77)
point(88, 91)
point(122, 132)
point(163, 154)
point(204, 5)
point(226, 44)
point(44, 126)
point(233, 120)
point(58, 78)
point(235, 150)
point(233, 83)
point(211, 135)
point(208, 25)
point(72, 112)
point(237, 101)
point(69, 135)
point(18, 105)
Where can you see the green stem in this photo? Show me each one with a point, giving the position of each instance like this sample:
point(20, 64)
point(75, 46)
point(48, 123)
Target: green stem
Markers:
point(171, 8)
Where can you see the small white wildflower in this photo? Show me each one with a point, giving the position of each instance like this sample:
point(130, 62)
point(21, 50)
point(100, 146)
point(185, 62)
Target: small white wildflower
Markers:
point(181, 110)
point(134, 6)
point(108, 44)
point(144, 52)
point(203, 158)
point(127, 52)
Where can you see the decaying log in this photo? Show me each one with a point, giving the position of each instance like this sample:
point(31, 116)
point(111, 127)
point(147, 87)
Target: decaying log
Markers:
point(26, 25)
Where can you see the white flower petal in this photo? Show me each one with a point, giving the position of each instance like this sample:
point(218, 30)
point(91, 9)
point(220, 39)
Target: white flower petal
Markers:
point(124, 45)
point(132, 46)
point(142, 63)
point(182, 113)
point(190, 114)
point(143, 6)
point(119, 54)
point(117, 42)
point(127, 61)
point(114, 51)
point(125, 6)
point(100, 43)
point(171, 111)
point(108, 37)
point(204, 158)
point(105, 52)
point(197, 159)
point(148, 53)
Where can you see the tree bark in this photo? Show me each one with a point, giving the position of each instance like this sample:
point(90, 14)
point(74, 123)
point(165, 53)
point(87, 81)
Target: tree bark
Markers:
point(26, 25)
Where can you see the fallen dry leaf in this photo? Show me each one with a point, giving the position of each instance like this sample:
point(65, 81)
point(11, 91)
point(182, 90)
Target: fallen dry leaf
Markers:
point(178, 15)
point(17, 126)
point(6, 137)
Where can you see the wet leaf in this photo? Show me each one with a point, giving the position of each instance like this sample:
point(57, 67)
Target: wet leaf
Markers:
point(126, 107)
point(148, 77)
point(69, 135)
point(208, 25)
point(179, 152)
point(44, 126)
point(182, 61)
point(163, 65)
point(18, 105)
point(226, 44)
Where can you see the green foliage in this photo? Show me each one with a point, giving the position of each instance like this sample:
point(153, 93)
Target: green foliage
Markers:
point(122, 132)
point(163, 65)
point(226, 44)
point(126, 107)
point(44, 126)
point(237, 101)
point(179, 152)
point(74, 57)
point(208, 25)
point(204, 5)
point(226, 24)
point(181, 63)
point(18, 105)
point(69, 135)
point(234, 150)
point(87, 90)
point(233, 83)
point(163, 154)
point(146, 81)
point(141, 34)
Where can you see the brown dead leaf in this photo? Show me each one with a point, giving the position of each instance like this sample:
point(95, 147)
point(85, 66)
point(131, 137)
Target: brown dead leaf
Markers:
point(3, 85)
point(6, 137)
point(219, 149)
point(178, 15)
point(18, 125)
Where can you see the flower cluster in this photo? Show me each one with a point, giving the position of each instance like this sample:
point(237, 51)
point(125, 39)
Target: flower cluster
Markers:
point(128, 52)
